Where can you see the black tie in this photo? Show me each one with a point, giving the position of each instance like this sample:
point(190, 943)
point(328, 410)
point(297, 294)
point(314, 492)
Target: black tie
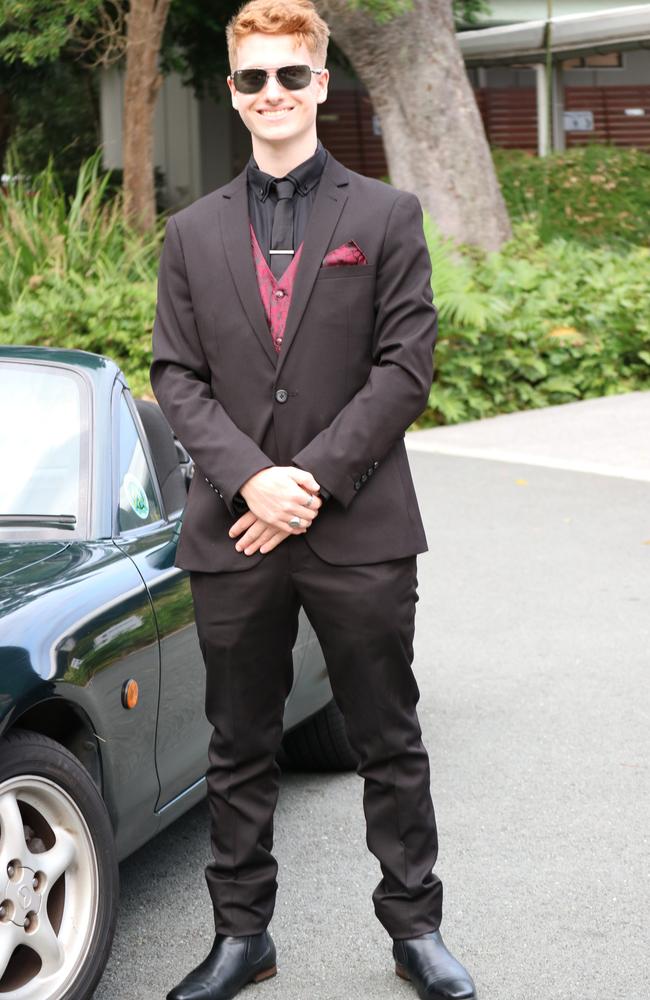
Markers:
point(282, 231)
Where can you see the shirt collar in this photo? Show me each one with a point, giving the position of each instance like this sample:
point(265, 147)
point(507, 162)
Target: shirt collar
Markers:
point(305, 175)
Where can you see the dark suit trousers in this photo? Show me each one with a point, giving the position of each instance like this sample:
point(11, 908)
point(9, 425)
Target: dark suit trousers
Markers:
point(364, 619)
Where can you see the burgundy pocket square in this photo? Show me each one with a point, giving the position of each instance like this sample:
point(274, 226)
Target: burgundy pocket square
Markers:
point(347, 253)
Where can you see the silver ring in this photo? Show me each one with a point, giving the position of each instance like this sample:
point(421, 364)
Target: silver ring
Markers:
point(295, 522)
point(310, 501)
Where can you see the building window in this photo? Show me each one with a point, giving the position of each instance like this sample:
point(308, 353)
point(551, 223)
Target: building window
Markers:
point(596, 60)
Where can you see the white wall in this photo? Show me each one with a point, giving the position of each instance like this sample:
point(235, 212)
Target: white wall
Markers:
point(177, 146)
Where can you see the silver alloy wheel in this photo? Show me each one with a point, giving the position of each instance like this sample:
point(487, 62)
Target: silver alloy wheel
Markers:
point(48, 889)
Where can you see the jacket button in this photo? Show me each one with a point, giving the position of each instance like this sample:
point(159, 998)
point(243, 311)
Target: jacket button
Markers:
point(281, 395)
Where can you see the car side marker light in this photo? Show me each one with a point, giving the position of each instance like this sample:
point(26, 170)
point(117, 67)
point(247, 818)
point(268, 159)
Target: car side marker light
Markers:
point(130, 693)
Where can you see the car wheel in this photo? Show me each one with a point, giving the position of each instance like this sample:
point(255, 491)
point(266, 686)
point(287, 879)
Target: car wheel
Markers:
point(59, 879)
point(320, 743)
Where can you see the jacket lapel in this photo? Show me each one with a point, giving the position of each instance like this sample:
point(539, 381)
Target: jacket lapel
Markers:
point(325, 213)
point(237, 248)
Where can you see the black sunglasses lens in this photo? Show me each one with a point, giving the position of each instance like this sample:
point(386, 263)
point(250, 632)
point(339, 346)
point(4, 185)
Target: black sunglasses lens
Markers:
point(294, 77)
point(249, 81)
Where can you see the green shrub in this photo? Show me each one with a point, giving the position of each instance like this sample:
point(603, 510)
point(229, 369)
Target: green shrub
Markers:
point(596, 194)
point(562, 322)
point(107, 315)
point(72, 274)
point(54, 116)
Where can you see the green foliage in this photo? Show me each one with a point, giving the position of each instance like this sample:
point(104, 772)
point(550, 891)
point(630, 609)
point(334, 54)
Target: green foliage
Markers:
point(466, 12)
point(108, 316)
point(595, 194)
point(35, 31)
point(555, 321)
point(470, 13)
point(72, 274)
point(51, 102)
point(54, 113)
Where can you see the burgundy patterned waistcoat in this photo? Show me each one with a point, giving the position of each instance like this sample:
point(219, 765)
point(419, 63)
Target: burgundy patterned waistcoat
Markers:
point(275, 292)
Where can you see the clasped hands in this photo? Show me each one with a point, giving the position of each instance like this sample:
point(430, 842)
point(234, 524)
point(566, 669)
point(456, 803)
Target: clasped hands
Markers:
point(274, 496)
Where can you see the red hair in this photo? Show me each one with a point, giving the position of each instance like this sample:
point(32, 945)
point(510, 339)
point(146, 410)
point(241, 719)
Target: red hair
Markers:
point(279, 17)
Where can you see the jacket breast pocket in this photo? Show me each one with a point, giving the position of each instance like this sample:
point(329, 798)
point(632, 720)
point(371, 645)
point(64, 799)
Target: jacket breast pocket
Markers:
point(346, 271)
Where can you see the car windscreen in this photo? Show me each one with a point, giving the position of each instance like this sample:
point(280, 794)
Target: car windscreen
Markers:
point(40, 445)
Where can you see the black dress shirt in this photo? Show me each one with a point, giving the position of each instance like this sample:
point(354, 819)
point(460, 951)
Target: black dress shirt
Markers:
point(261, 205)
point(262, 199)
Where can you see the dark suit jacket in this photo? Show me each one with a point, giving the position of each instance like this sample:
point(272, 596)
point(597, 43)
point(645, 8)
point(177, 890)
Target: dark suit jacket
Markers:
point(353, 373)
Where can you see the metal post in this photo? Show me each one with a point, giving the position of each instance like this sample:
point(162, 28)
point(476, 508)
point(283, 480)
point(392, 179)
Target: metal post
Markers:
point(542, 109)
point(558, 139)
point(549, 73)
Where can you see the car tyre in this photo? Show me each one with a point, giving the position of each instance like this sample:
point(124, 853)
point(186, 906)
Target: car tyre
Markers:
point(59, 876)
point(320, 743)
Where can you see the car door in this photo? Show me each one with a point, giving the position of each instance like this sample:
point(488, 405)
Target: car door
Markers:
point(148, 534)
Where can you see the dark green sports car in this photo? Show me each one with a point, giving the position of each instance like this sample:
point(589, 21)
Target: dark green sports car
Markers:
point(103, 737)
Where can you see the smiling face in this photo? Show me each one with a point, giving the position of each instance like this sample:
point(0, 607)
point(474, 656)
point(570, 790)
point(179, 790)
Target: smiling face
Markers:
point(282, 122)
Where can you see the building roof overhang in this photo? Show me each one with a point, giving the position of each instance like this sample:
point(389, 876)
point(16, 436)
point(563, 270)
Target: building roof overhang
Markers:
point(571, 35)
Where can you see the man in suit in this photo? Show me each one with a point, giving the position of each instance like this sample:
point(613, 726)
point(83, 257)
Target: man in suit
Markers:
point(292, 348)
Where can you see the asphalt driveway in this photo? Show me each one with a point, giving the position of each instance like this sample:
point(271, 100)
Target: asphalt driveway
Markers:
point(532, 658)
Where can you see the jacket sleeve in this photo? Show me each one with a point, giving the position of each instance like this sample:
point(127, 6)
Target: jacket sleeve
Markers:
point(180, 378)
point(345, 454)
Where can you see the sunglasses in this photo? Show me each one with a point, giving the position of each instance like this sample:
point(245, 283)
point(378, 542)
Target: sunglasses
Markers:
point(251, 81)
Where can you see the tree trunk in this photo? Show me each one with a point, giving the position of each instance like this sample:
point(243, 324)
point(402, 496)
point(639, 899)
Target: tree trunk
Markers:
point(145, 25)
point(434, 140)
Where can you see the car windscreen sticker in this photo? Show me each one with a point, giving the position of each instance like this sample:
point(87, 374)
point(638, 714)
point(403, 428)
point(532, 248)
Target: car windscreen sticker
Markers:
point(137, 496)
